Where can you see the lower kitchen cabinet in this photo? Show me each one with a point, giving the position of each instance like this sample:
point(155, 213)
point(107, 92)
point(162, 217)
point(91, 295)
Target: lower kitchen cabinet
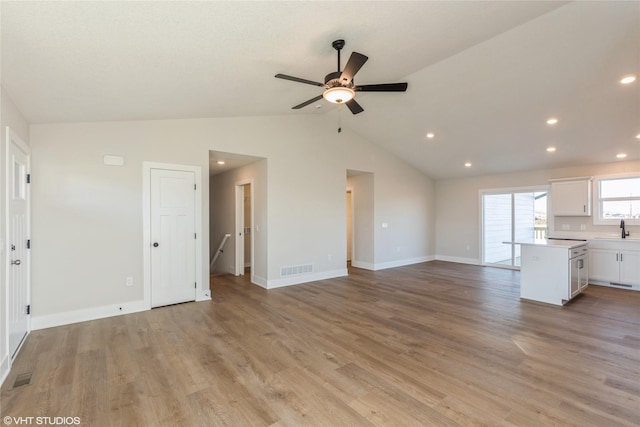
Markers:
point(615, 266)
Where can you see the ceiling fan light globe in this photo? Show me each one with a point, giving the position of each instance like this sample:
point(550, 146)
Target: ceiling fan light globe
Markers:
point(338, 95)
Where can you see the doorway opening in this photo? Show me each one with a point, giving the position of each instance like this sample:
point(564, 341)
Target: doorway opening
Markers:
point(237, 216)
point(359, 223)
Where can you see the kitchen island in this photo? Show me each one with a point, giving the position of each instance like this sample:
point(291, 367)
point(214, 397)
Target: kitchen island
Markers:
point(553, 271)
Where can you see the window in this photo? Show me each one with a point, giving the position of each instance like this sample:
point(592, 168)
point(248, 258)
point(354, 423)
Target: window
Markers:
point(618, 198)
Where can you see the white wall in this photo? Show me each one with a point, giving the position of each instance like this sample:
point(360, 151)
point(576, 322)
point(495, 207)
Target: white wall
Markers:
point(405, 201)
point(458, 205)
point(87, 216)
point(11, 117)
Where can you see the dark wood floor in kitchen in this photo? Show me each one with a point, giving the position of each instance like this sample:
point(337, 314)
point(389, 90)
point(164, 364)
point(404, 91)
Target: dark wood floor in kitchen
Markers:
point(433, 344)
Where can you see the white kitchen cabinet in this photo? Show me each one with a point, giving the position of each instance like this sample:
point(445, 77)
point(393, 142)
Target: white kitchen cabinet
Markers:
point(615, 266)
point(604, 264)
point(553, 271)
point(571, 197)
point(630, 267)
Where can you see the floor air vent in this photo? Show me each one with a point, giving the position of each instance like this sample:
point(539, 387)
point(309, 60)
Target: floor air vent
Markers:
point(296, 269)
point(22, 379)
point(620, 284)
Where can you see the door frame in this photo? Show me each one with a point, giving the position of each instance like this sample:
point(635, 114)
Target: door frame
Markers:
point(202, 288)
point(239, 226)
point(13, 138)
point(353, 226)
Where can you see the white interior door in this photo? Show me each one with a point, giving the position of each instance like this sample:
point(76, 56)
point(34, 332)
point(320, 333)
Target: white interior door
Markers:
point(239, 268)
point(18, 224)
point(173, 238)
point(349, 225)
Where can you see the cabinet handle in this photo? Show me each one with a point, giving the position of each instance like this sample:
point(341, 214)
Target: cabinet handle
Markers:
point(584, 208)
point(620, 257)
point(616, 257)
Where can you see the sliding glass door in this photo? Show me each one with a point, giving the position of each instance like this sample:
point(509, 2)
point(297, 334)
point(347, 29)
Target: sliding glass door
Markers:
point(509, 217)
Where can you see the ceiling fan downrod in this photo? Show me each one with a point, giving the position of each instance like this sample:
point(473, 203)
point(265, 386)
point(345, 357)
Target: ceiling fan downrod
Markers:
point(338, 45)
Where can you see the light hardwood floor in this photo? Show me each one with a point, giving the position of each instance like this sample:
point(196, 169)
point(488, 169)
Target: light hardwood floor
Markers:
point(433, 344)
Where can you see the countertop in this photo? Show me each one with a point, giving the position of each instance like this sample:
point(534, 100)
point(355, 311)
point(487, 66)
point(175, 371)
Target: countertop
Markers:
point(568, 244)
point(615, 237)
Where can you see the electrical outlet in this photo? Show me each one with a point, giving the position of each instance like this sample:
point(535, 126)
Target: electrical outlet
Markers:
point(583, 227)
point(565, 226)
point(129, 281)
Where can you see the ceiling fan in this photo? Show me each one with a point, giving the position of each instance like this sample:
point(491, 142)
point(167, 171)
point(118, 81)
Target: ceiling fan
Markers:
point(339, 86)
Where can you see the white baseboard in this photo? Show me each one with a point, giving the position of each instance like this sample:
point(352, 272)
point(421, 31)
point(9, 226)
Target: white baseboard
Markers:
point(5, 368)
point(305, 278)
point(203, 295)
point(403, 262)
point(458, 259)
point(83, 315)
point(610, 285)
point(363, 265)
point(392, 264)
point(260, 281)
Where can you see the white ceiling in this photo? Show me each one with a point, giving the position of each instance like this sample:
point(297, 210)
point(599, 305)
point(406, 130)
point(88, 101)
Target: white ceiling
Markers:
point(484, 76)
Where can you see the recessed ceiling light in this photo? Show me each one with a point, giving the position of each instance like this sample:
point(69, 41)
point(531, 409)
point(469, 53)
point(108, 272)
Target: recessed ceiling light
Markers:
point(431, 135)
point(628, 79)
point(621, 155)
point(638, 136)
point(220, 162)
point(467, 165)
point(552, 121)
point(551, 149)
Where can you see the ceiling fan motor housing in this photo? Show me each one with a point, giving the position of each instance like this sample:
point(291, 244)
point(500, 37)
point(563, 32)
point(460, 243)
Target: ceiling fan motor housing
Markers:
point(333, 80)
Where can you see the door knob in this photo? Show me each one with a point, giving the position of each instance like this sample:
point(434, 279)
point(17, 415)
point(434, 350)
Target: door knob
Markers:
point(155, 245)
point(16, 262)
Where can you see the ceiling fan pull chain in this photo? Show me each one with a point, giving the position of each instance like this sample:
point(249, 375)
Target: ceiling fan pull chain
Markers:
point(339, 119)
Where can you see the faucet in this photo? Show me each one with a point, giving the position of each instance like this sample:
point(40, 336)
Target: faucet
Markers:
point(624, 233)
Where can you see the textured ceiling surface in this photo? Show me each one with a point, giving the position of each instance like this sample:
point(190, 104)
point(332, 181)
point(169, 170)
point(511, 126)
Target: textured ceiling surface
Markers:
point(483, 76)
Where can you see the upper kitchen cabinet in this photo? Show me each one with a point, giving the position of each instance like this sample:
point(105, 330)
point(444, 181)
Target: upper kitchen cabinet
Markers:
point(571, 197)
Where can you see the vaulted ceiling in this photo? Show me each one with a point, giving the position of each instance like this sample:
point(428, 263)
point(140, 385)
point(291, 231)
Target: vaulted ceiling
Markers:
point(483, 76)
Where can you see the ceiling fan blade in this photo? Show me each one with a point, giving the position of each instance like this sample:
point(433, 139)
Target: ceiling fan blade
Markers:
point(305, 103)
point(297, 79)
point(354, 106)
point(384, 87)
point(355, 62)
